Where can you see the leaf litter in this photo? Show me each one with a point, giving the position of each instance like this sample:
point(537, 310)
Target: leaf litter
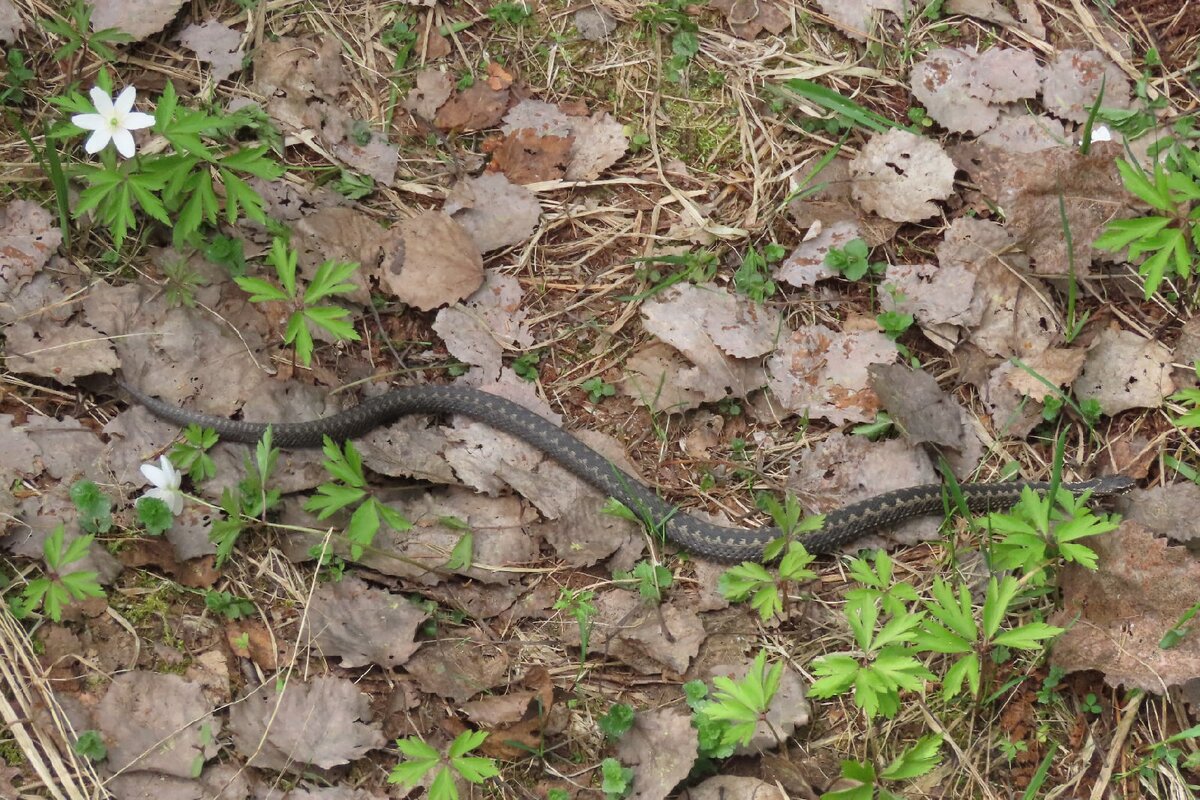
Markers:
point(705, 344)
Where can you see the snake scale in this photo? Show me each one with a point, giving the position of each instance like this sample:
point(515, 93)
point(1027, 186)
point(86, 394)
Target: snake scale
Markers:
point(842, 526)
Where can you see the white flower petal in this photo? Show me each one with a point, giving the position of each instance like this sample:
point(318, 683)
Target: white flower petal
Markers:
point(173, 499)
point(136, 120)
point(172, 476)
point(153, 474)
point(97, 141)
point(89, 122)
point(101, 101)
point(123, 139)
point(124, 102)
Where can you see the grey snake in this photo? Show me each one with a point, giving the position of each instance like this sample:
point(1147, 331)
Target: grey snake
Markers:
point(842, 526)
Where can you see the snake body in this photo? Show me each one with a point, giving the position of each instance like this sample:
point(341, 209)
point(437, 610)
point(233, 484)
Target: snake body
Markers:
point(842, 526)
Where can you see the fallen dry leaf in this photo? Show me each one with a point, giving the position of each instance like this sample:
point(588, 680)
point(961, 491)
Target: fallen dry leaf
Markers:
point(519, 721)
point(1124, 371)
point(964, 90)
point(1071, 84)
point(10, 26)
point(29, 241)
point(1030, 186)
point(1168, 510)
point(918, 405)
point(217, 44)
point(941, 298)
point(730, 787)
point(823, 373)
point(993, 11)
point(437, 265)
point(474, 109)
point(433, 88)
point(857, 18)
point(749, 18)
point(647, 638)
point(898, 175)
point(198, 573)
point(806, 264)
point(324, 722)
point(1019, 132)
point(40, 345)
point(361, 624)
point(595, 23)
point(716, 332)
point(139, 20)
point(661, 747)
point(478, 330)
point(495, 211)
point(525, 157)
point(598, 142)
point(157, 722)
point(1116, 615)
point(830, 203)
point(459, 667)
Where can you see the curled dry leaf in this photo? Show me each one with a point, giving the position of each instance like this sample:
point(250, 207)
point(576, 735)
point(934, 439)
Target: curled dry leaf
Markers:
point(1116, 615)
point(526, 157)
point(661, 747)
point(993, 11)
point(1124, 371)
point(898, 175)
point(325, 722)
point(1071, 84)
point(823, 373)
point(438, 264)
point(216, 44)
point(157, 722)
point(941, 298)
point(584, 146)
point(361, 624)
point(495, 211)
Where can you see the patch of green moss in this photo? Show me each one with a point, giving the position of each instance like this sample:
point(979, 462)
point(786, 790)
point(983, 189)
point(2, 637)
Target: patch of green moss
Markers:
point(699, 134)
point(10, 753)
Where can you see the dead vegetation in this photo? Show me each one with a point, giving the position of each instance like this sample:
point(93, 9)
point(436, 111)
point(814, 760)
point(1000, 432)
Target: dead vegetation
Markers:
point(741, 249)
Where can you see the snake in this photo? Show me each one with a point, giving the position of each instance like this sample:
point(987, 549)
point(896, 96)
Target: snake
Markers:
point(842, 526)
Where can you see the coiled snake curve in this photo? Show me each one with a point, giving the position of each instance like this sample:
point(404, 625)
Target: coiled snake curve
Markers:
point(842, 526)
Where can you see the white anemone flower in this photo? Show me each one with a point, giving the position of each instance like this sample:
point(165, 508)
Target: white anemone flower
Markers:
point(112, 121)
point(166, 484)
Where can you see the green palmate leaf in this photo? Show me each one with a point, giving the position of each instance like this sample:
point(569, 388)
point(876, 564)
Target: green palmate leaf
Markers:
point(332, 319)
point(254, 161)
point(465, 742)
point(298, 336)
point(999, 597)
point(954, 612)
point(1027, 637)
point(164, 112)
point(331, 498)
point(239, 197)
point(1120, 233)
point(260, 290)
point(284, 261)
point(419, 759)
point(330, 280)
point(1139, 184)
point(965, 668)
point(916, 760)
point(364, 524)
point(837, 673)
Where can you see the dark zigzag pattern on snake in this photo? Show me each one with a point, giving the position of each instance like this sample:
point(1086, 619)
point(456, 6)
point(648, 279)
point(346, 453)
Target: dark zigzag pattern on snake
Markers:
point(842, 526)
